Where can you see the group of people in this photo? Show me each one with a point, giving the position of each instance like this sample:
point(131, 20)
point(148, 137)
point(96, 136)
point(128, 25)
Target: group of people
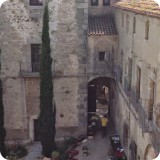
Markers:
point(103, 124)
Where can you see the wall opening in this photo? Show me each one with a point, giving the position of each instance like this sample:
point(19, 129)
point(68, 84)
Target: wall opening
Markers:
point(99, 93)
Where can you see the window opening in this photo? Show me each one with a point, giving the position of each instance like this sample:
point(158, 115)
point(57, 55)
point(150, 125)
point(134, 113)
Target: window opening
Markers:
point(101, 56)
point(35, 57)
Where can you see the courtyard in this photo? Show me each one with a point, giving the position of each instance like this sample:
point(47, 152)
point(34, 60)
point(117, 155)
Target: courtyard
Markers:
point(98, 147)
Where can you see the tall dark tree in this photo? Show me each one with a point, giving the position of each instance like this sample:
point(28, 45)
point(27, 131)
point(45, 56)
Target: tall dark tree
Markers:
point(2, 130)
point(47, 110)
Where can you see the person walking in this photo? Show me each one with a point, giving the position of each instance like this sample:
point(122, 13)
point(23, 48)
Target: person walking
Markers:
point(104, 122)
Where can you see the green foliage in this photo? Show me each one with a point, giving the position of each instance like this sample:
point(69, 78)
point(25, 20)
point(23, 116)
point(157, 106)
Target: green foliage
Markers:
point(47, 110)
point(16, 152)
point(55, 155)
point(2, 130)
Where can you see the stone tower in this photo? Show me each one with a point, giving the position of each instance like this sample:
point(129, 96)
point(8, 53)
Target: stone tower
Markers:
point(21, 27)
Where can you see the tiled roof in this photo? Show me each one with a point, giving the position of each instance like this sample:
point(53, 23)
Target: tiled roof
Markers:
point(148, 7)
point(101, 25)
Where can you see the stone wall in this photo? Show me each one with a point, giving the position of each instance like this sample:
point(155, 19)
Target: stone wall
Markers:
point(21, 25)
point(101, 9)
point(144, 54)
point(96, 44)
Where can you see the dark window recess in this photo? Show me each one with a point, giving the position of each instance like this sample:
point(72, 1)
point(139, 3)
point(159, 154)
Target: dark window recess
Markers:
point(138, 83)
point(0, 60)
point(91, 98)
point(101, 56)
point(94, 2)
point(134, 25)
point(35, 57)
point(36, 130)
point(147, 30)
point(36, 3)
point(151, 99)
point(125, 134)
point(106, 2)
point(129, 73)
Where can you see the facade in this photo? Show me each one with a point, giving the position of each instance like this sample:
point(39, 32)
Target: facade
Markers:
point(92, 43)
point(138, 92)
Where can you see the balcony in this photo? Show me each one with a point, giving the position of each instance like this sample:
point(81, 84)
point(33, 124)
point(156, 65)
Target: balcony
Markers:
point(33, 72)
point(139, 106)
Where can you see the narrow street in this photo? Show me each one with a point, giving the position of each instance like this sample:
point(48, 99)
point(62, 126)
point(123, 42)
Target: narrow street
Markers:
point(97, 147)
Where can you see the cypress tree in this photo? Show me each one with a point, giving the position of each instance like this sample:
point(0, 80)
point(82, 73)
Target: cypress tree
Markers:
point(47, 110)
point(2, 130)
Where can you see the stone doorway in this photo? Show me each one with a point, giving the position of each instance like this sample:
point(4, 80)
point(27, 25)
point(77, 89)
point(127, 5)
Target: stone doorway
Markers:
point(36, 131)
point(99, 93)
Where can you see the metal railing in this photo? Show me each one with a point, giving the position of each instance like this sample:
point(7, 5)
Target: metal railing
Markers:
point(31, 71)
point(139, 106)
point(35, 66)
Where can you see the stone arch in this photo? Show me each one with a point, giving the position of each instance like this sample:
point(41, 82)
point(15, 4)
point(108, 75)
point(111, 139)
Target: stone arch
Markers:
point(149, 153)
point(100, 92)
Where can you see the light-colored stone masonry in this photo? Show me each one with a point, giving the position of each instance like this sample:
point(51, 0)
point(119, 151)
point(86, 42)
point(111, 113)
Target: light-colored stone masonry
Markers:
point(21, 26)
point(75, 63)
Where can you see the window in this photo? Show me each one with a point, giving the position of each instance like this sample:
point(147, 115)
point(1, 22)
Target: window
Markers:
point(125, 134)
point(147, 30)
point(134, 25)
point(101, 56)
point(151, 99)
point(36, 3)
point(127, 23)
point(121, 67)
point(35, 57)
point(94, 2)
point(129, 73)
point(0, 60)
point(138, 83)
point(106, 2)
point(122, 19)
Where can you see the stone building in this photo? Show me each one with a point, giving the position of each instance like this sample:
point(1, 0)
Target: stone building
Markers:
point(93, 43)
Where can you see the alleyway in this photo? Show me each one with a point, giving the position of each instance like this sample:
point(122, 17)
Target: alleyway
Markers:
point(98, 148)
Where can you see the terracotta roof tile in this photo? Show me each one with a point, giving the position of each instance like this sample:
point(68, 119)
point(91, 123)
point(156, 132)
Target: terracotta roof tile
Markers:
point(148, 7)
point(101, 25)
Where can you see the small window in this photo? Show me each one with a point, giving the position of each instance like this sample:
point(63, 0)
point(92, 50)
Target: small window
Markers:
point(106, 2)
point(36, 3)
point(0, 60)
point(101, 56)
point(94, 2)
point(35, 57)
point(127, 23)
point(122, 19)
point(147, 30)
point(134, 25)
